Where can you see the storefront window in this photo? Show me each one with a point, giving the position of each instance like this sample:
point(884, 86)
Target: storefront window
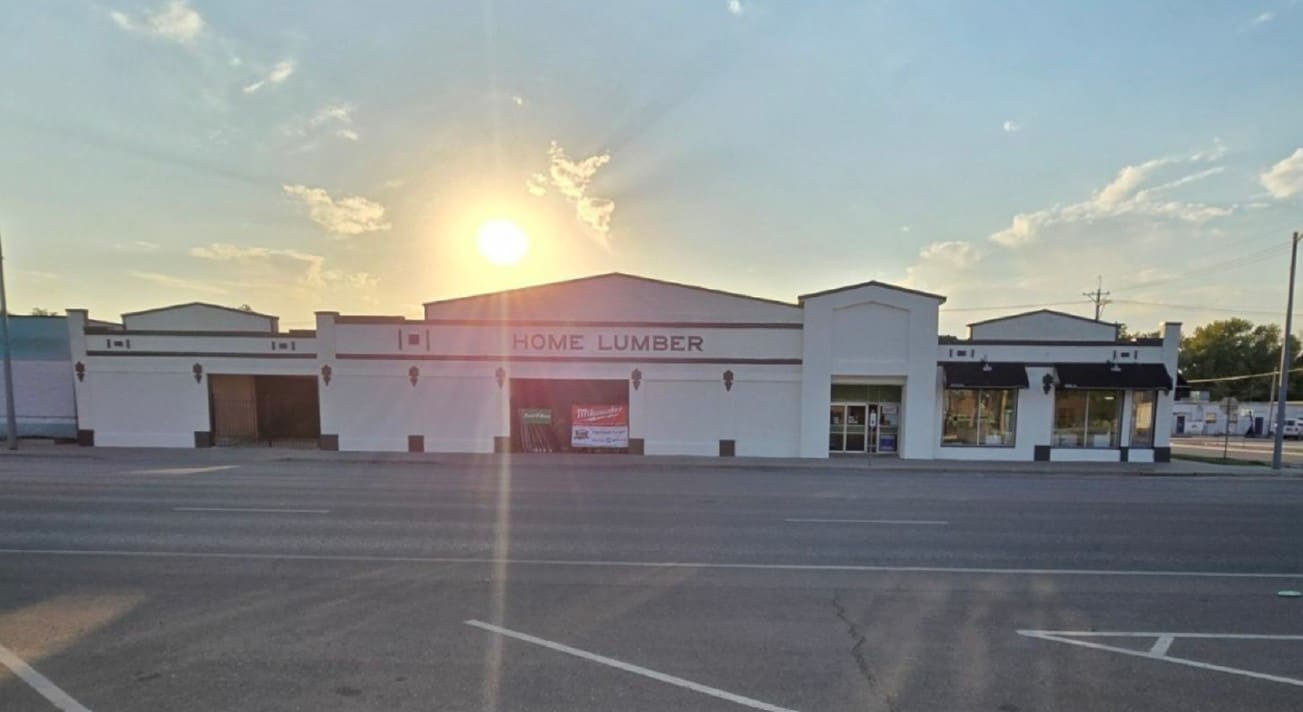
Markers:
point(979, 417)
point(1087, 418)
point(1142, 418)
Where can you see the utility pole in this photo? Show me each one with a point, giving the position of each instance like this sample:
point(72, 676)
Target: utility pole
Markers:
point(9, 359)
point(1099, 296)
point(1278, 442)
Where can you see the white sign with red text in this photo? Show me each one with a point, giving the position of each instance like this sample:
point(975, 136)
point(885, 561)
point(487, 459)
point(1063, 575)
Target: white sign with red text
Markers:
point(599, 426)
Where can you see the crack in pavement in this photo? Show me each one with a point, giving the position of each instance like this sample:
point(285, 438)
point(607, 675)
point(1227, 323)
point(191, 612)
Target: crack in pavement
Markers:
point(857, 653)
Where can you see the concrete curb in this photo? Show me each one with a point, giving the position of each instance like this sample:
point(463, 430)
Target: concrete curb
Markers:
point(848, 466)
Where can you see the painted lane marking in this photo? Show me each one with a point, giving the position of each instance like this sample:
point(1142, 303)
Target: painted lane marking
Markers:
point(725, 566)
point(39, 682)
point(258, 510)
point(183, 470)
point(627, 667)
point(907, 522)
point(1161, 645)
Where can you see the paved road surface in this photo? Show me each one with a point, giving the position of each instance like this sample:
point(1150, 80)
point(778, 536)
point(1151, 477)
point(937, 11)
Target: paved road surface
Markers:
point(151, 585)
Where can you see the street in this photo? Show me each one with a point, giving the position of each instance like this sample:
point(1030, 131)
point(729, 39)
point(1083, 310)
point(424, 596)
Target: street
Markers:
point(168, 580)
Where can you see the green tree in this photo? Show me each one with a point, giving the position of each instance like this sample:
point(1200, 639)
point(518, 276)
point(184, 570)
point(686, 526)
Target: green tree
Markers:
point(1125, 333)
point(38, 311)
point(1235, 347)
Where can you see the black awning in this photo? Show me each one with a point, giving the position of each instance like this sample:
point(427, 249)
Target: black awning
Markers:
point(971, 374)
point(1125, 376)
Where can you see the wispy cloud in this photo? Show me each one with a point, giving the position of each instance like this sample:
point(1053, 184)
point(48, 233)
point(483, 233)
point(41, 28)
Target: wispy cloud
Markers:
point(1285, 179)
point(1133, 192)
point(36, 275)
point(1262, 19)
point(347, 215)
point(335, 119)
point(312, 268)
point(277, 74)
point(137, 246)
point(1011, 126)
point(176, 21)
point(736, 7)
point(168, 281)
point(571, 180)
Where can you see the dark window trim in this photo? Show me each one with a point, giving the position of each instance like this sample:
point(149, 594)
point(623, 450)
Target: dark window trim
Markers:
point(201, 354)
point(567, 359)
point(104, 330)
point(1057, 342)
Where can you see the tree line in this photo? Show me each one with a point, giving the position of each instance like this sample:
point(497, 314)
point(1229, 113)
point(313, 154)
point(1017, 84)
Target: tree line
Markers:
point(1235, 347)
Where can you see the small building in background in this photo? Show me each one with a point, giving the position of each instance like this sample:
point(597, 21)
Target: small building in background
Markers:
point(43, 394)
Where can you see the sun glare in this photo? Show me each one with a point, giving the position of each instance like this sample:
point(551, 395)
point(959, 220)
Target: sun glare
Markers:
point(502, 242)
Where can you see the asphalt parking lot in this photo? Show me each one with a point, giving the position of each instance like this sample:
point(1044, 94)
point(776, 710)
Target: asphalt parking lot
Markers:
point(1239, 448)
point(159, 581)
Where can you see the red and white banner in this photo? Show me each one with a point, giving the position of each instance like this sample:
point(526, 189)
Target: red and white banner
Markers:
point(599, 426)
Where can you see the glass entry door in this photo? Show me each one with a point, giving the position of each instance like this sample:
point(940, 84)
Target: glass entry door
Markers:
point(850, 427)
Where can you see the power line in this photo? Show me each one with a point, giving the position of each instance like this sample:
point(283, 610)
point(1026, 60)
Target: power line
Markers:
point(1243, 377)
point(1260, 255)
point(1196, 307)
point(998, 307)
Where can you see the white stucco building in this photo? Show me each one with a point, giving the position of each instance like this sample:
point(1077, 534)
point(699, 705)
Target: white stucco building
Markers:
point(637, 365)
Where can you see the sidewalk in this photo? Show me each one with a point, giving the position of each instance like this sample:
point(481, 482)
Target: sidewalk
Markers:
point(847, 465)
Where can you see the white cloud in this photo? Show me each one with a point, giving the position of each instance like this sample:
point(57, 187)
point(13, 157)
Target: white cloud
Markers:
point(278, 73)
point(518, 100)
point(1263, 19)
point(168, 281)
point(335, 119)
point(347, 215)
point(175, 21)
point(1131, 194)
point(571, 179)
point(137, 246)
point(735, 7)
point(314, 274)
point(1286, 177)
point(1011, 126)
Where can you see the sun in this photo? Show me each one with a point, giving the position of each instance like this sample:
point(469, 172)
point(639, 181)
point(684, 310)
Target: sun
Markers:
point(502, 242)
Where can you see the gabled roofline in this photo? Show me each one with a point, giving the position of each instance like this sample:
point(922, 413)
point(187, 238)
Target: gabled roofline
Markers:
point(605, 275)
point(873, 283)
point(1055, 312)
point(199, 304)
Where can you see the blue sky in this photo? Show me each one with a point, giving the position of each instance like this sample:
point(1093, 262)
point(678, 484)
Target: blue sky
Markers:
point(299, 156)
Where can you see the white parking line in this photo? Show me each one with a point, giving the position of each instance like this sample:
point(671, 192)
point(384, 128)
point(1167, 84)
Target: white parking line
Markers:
point(1162, 644)
point(183, 470)
point(724, 566)
point(39, 682)
point(627, 667)
point(258, 510)
point(906, 522)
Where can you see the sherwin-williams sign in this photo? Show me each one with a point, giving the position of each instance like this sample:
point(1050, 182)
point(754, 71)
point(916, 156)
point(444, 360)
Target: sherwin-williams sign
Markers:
point(599, 426)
